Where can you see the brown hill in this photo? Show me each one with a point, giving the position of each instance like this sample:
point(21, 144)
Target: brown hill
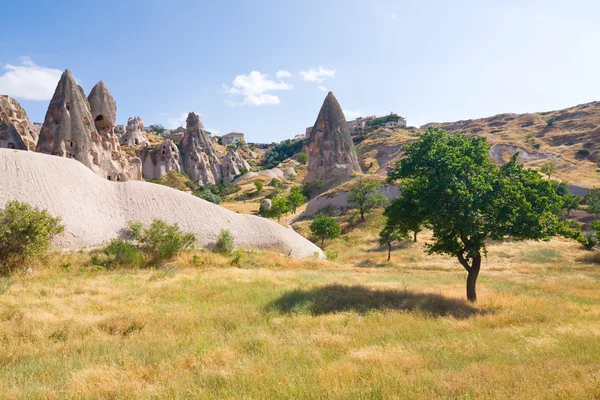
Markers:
point(569, 137)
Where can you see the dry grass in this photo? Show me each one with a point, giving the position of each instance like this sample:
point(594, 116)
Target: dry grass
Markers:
point(273, 327)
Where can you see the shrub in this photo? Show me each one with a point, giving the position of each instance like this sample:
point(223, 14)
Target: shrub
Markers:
point(583, 152)
point(119, 253)
point(259, 186)
point(296, 198)
point(276, 183)
point(225, 242)
point(163, 242)
point(312, 188)
point(331, 255)
point(551, 121)
point(238, 255)
point(589, 240)
point(302, 157)
point(279, 207)
point(25, 232)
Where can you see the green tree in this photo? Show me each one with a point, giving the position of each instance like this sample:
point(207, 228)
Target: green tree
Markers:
point(548, 168)
point(310, 189)
point(466, 199)
point(296, 198)
point(325, 227)
point(302, 157)
point(389, 235)
point(259, 186)
point(225, 242)
point(159, 129)
point(25, 232)
point(593, 201)
point(365, 196)
point(405, 215)
point(279, 207)
point(571, 202)
point(276, 183)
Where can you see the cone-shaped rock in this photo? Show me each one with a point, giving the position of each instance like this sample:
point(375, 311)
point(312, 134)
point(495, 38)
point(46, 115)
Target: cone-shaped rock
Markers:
point(134, 135)
point(233, 164)
point(103, 108)
point(161, 160)
point(69, 131)
point(331, 153)
point(16, 131)
point(200, 160)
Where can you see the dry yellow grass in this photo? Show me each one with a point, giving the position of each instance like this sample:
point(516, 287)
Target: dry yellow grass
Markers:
point(265, 326)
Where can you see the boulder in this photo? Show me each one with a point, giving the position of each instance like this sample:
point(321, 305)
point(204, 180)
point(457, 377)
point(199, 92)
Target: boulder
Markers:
point(16, 131)
point(331, 153)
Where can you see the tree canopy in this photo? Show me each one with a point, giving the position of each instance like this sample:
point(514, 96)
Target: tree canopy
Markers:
point(466, 199)
point(365, 196)
point(325, 227)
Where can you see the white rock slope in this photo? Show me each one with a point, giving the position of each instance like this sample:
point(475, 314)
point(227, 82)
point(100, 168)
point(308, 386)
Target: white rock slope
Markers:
point(95, 210)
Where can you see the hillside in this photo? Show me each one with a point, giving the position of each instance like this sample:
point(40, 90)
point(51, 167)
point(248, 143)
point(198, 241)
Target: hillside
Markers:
point(570, 137)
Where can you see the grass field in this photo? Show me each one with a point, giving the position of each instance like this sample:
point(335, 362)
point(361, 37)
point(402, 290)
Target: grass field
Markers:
point(266, 326)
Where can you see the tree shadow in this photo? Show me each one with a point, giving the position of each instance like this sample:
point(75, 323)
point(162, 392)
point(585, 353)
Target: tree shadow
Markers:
point(339, 298)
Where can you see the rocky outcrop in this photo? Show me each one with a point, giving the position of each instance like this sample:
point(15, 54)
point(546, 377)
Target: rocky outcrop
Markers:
point(72, 129)
point(331, 153)
point(161, 160)
point(200, 160)
point(233, 164)
point(134, 135)
point(16, 131)
point(95, 211)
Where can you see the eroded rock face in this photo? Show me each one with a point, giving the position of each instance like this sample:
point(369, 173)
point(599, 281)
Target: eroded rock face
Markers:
point(331, 153)
point(232, 165)
point(71, 130)
point(200, 160)
point(134, 135)
point(16, 131)
point(161, 160)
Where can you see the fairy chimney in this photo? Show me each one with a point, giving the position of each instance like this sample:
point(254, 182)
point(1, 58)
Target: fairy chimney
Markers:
point(16, 131)
point(233, 164)
point(200, 160)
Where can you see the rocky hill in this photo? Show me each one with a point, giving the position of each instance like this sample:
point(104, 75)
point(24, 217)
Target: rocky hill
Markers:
point(569, 137)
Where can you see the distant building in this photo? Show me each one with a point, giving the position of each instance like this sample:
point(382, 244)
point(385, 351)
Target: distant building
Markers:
point(231, 138)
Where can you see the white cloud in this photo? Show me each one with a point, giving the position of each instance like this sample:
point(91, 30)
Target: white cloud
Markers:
point(317, 75)
point(350, 115)
point(29, 81)
point(282, 74)
point(176, 122)
point(255, 88)
point(322, 88)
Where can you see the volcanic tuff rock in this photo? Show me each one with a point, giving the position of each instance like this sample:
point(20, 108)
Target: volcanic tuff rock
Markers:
point(161, 160)
point(95, 211)
point(70, 130)
point(331, 153)
point(232, 165)
point(134, 135)
point(16, 131)
point(200, 160)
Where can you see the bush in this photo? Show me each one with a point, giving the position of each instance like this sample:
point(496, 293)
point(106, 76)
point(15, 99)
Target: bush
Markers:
point(331, 255)
point(589, 240)
point(325, 227)
point(583, 152)
point(302, 157)
point(225, 242)
point(119, 253)
point(276, 183)
point(25, 232)
point(259, 186)
point(162, 242)
point(312, 188)
point(551, 121)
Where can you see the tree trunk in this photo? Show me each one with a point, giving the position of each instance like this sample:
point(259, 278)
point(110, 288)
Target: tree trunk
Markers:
point(415, 236)
point(473, 272)
point(362, 215)
point(389, 251)
point(322, 241)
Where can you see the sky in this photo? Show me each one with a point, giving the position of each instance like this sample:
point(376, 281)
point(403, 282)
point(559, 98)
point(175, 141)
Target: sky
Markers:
point(264, 67)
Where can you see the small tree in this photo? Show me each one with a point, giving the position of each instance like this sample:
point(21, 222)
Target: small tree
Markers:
point(159, 129)
point(389, 235)
point(593, 201)
point(161, 242)
point(325, 227)
point(310, 189)
point(571, 202)
point(296, 198)
point(25, 232)
point(302, 158)
point(279, 207)
point(259, 186)
point(365, 196)
point(466, 199)
point(548, 168)
point(276, 183)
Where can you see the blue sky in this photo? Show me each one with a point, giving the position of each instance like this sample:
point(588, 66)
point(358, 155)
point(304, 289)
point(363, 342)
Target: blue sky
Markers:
point(427, 60)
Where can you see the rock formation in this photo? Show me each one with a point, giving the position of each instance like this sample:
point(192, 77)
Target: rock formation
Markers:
point(74, 130)
point(161, 160)
point(233, 164)
point(331, 153)
point(134, 135)
point(16, 131)
point(94, 210)
point(200, 160)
